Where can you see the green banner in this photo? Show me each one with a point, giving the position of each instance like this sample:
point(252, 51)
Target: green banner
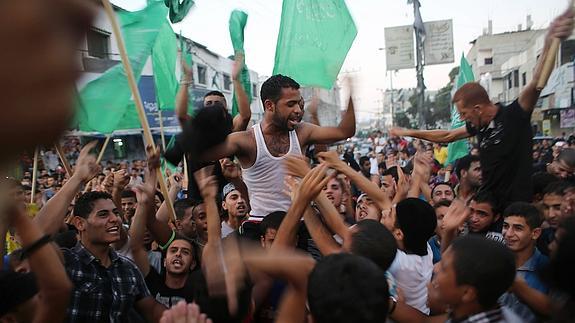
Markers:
point(459, 148)
point(106, 102)
point(313, 41)
point(164, 56)
point(178, 9)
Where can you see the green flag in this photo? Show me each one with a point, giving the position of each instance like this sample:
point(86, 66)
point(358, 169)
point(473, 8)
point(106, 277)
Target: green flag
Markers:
point(106, 101)
point(164, 164)
point(238, 20)
point(313, 41)
point(459, 148)
point(164, 56)
point(178, 9)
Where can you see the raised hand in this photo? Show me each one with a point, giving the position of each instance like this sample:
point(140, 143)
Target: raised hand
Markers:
point(292, 185)
point(330, 158)
point(86, 166)
point(456, 215)
point(175, 181)
point(206, 182)
point(313, 183)
point(562, 26)
point(402, 186)
point(121, 179)
point(153, 158)
point(422, 164)
point(296, 166)
point(184, 313)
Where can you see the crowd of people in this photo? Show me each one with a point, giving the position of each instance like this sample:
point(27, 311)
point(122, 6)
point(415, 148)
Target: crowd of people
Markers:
point(272, 224)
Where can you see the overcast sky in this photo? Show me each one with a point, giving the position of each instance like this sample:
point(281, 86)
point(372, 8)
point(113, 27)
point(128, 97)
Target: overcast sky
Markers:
point(207, 23)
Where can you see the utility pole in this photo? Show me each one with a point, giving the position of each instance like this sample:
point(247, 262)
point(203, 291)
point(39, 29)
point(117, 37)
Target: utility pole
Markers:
point(391, 97)
point(419, 39)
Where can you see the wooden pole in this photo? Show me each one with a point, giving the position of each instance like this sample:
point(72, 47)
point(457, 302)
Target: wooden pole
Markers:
point(138, 101)
point(34, 174)
point(103, 150)
point(62, 156)
point(162, 130)
point(549, 60)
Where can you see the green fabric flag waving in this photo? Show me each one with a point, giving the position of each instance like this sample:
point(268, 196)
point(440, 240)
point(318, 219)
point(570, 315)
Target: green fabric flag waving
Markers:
point(106, 100)
point(238, 20)
point(459, 148)
point(164, 56)
point(178, 9)
point(313, 41)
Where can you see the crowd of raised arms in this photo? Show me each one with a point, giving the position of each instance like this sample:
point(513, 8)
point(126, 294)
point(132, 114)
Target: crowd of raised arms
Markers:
point(282, 221)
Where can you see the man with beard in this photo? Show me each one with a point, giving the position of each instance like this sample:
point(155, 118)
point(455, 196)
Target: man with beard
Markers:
point(281, 133)
point(236, 208)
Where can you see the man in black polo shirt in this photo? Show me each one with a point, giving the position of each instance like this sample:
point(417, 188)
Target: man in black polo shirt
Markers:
point(504, 132)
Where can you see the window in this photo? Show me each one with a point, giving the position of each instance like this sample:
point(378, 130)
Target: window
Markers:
point(255, 90)
point(488, 60)
point(97, 43)
point(524, 78)
point(201, 74)
point(509, 81)
point(227, 82)
point(516, 78)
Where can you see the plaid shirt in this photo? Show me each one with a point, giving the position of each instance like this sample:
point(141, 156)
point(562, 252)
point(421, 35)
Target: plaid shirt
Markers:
point(102, 294)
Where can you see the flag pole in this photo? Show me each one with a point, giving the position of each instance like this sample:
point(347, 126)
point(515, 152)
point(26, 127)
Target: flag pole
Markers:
point(62, 156)
point(162, 130)
point(148, 138)
point(34, 174)
point(549, 59)
point(101, 154)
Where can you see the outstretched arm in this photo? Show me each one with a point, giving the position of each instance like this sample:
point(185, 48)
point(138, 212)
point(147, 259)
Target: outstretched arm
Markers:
point(440, 136)
point(51, 217)
point(245, 113)
point(328, 135)
point(182, 97)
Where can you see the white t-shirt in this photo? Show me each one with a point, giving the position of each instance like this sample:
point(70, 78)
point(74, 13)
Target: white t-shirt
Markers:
point(373, 169)
point(412, 274)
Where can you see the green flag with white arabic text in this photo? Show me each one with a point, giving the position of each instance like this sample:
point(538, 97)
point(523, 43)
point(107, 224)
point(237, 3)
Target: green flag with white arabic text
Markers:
point(313, 41)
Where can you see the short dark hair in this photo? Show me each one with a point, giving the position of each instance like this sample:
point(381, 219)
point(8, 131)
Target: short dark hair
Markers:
point(464, 163)
point(271, 89)
point(363, 159)
point(159, 195)
point(489, 198)
point(347, 288)
point(527, 211)
point(85, 203)
point(128, 194)
point(556, 188)
point(417, 220)
point(442, 203)
point(471, 94)
point(216, 93)
point(442, 183)
point(272, 221)
point(392, 171)
point(374, 242)
point(486, 265)
point(567, 155)
point(180, 206)
point(540, 181)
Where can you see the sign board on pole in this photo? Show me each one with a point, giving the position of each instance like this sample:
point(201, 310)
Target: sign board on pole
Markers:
point(399, 48)
point(438, 45)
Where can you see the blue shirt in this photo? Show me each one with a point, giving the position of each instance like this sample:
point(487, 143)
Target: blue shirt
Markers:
point(528, 272)
point(435, 248)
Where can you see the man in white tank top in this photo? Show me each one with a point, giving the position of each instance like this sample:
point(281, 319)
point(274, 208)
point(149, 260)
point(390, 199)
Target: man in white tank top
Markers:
point(262, 149)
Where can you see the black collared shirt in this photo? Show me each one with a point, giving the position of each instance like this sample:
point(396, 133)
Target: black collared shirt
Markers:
point(505, 150)
point(102, 294)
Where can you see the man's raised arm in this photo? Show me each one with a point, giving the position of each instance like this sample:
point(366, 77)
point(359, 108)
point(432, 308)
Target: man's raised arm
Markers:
point(560, 28)
point(327, 135)
point(439, 136)
point(245, 113)
point(231, 146)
